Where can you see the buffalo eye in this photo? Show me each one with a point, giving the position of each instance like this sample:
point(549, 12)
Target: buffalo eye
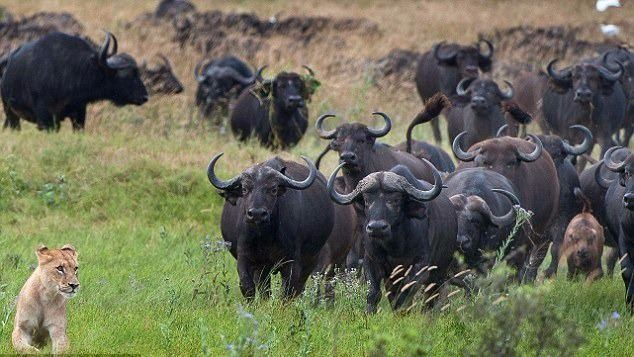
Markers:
point(245, 190)
point(273, 190)
point(60, 269)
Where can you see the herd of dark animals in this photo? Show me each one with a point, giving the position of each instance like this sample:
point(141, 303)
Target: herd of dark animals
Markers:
point(402, 213)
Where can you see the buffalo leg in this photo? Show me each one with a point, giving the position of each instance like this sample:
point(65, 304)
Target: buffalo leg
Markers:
point(45, 120)
point(627, 270)
point(374, 288)
point(611, 259)
point(78, 118)
point(263, 281)
point(554, 258)
point(245, 274)
point(534, 260)
point(291, 276)
point(12, 120)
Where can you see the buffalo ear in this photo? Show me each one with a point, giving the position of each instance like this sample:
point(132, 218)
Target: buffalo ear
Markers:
point(458, 201)
point(231, 195)
point(415, 209)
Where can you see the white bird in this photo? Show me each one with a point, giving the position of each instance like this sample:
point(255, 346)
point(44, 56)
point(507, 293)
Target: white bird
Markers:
point(610, 30)
point(603, 5)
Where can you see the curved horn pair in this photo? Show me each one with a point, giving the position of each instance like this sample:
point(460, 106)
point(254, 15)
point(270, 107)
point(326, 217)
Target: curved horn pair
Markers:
point(287, 181)
point(407, 187)
point(375, 132)
point(470, 156)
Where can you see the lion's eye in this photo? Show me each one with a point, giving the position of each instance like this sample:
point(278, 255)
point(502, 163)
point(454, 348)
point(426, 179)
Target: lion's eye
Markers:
point(60, 269)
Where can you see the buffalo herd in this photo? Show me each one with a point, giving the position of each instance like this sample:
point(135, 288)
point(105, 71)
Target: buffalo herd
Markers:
point(409, 217)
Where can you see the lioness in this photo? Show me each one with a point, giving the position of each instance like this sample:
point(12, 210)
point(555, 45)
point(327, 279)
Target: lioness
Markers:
point(41, 306)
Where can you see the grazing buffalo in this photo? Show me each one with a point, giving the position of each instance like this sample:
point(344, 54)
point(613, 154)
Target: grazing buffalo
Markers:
point(219, 82)
point(583, 243)
point(269, 219)
point(442, 68)
point(277, 114)
point(421, 149)
point(56, 76)
point(410, 232)
point(620, 213)
point(589, 94)
point(593, 186)
point(485, 218)
point(483, 114)
point(569, 205)
point(160, 79)
point(533, 173)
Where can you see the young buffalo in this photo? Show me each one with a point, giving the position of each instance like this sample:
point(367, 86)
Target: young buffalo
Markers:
point(583, 243)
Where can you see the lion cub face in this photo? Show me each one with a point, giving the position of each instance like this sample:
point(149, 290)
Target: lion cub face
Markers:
point(58, 269)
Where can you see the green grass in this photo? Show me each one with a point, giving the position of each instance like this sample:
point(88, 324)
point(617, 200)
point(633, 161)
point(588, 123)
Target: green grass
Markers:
point(155, 280)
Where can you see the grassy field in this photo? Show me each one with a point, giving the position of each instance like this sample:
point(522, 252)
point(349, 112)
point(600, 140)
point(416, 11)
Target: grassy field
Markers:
point(130, 193)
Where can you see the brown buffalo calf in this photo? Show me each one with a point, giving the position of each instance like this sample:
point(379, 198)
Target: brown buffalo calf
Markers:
point(583, 243)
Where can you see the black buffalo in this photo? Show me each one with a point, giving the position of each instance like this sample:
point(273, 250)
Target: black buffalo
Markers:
point(442, 68)
point(587, 93)
point(219, 82)
point(56, 76)
point(274, 110)
point(484, 216)
point(620, 212)
point(532, 171)
point(595, 181)
point(480, 110)
point(160, 78)
point(410, 232)
point(270, 220)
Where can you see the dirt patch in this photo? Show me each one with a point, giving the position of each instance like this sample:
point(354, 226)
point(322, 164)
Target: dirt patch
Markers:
point(281, 40)
point(14, 32)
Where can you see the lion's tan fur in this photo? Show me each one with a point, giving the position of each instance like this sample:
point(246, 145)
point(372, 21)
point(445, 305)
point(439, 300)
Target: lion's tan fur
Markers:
point(41, 305)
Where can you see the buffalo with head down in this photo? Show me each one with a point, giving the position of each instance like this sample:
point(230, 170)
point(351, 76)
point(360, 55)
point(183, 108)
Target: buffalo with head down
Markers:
point(56, 76)
point(442, 68)
point(274, 110)
point(619, 200)
point(219, 82)
point(587, 93)
point(532, 171)
point(484, 216)
point(269, 219)
point(160, 78)
point(409, 232)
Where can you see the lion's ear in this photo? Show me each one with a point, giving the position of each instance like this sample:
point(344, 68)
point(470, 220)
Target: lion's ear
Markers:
point(69, 248)
point(42, 253)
